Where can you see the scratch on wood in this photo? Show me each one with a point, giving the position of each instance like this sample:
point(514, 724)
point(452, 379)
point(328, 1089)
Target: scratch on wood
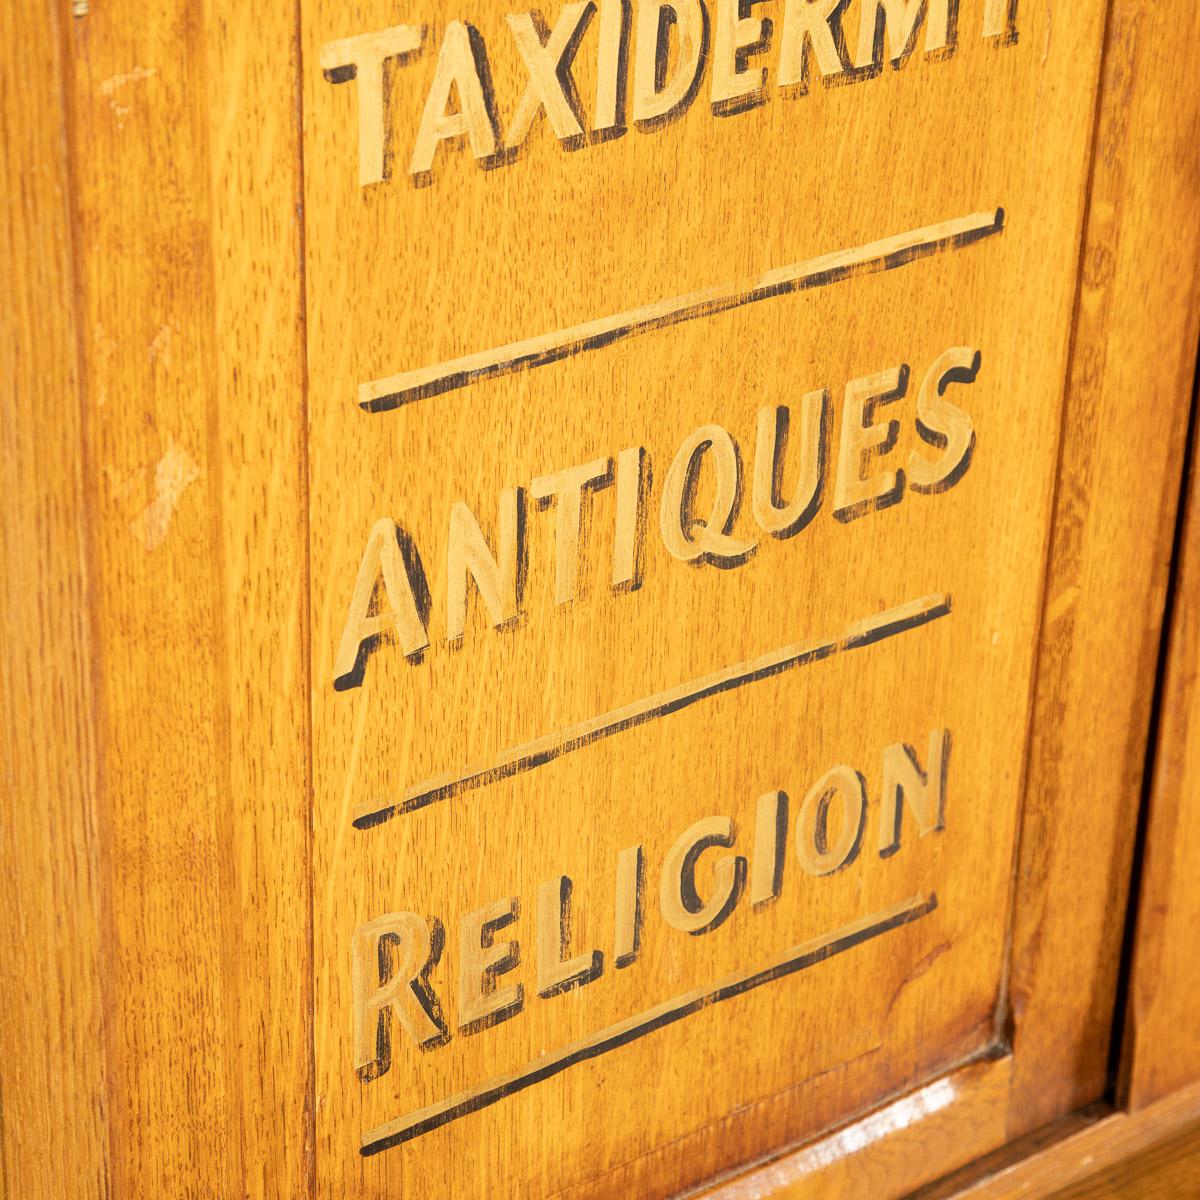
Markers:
point(114, 83)
point(175, 473)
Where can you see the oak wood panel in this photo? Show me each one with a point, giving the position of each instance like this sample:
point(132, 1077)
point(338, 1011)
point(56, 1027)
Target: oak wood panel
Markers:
point(1074, 1148)
point(1167, 1170)
point(53, 1138)
point(185, 133)
point(1118, 480)
point(1161, 1052)
point(440, 784)
point(892, 1151)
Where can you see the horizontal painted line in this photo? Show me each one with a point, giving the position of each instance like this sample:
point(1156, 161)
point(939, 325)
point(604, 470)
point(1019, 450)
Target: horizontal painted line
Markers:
point(528, 755)
point(381, 395)
point(798, 958)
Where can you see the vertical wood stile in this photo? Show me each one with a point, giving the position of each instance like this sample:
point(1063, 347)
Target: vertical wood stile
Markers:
point(1125, 424)
point(185, 132)
point(52, 1118)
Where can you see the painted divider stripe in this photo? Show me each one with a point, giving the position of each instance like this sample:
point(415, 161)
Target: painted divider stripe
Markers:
point(798, 958)
point(516, 759)
point(382, 395)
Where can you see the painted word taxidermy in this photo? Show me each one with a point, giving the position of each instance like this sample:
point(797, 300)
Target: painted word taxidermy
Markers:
point(673, 44)
point(698, 508)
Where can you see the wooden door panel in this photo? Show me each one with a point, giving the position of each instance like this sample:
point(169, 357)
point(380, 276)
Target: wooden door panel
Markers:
point(525, 368)
point(600, 640)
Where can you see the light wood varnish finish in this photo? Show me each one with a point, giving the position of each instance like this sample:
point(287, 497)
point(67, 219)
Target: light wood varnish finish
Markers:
point(1118, 484)
point(501, 740)
point(53, 1138)
point(1089, 1144)
point(1162, 1037)
point(580, 618)
point(185, 845)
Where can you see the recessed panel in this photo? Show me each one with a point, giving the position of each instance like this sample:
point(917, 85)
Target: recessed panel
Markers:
point(685, 385)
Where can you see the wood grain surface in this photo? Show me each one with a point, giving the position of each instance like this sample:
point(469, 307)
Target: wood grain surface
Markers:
point(475, 331)
point(1161, 1052)
point(53, 1136)
point(1114, 520)
point(894, 1150)
point(570, 634)
point(1083, 1149)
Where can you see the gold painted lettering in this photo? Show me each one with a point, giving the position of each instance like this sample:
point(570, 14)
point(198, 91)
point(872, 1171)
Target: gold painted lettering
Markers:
point(735, 35)
point(1000, 19)
point(944, 425)
point(897, 20)
point(364, 59)
point(462, 67)
point(925, 791)
point(381, 562)
point(862, 439)
point(629, 540)
point(774, 425)
point(627, 940)
point(497, 577)
point(610, 68)
point(681, 905)
point(817, 854)
point(686, 537)
point(809, 24)
point(481, 1004)
point(566, 489)
point(390, 959)
point(656, 95)
point(770, 840)
point(555, 972)
point(548, 64)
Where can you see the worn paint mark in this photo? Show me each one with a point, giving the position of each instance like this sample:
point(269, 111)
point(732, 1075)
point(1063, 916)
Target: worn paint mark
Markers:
point(114, 83)
point(160, 348)
point(175, 473)
point(1062, 604)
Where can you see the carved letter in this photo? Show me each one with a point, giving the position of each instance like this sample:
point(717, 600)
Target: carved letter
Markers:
point(462, 65)
point(480, 1003)
point(1000, 19)
point(862, 439)
point(733, 34)
point(549, 68)
point(630, 537)
point(627, 941)
point(809, 23)
point(390, 960)
point(682, 907)
point(381, 558)
point(567, 488)
point(555, 972)
point(692, 540)
point(770, 840)
point(943, 424)
point(610, 67)
point(816, 855)
point(497, 578)
point(784, 520)
point(903, 780)
point(363, 58)
point(899, 18)
point(655, 97)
